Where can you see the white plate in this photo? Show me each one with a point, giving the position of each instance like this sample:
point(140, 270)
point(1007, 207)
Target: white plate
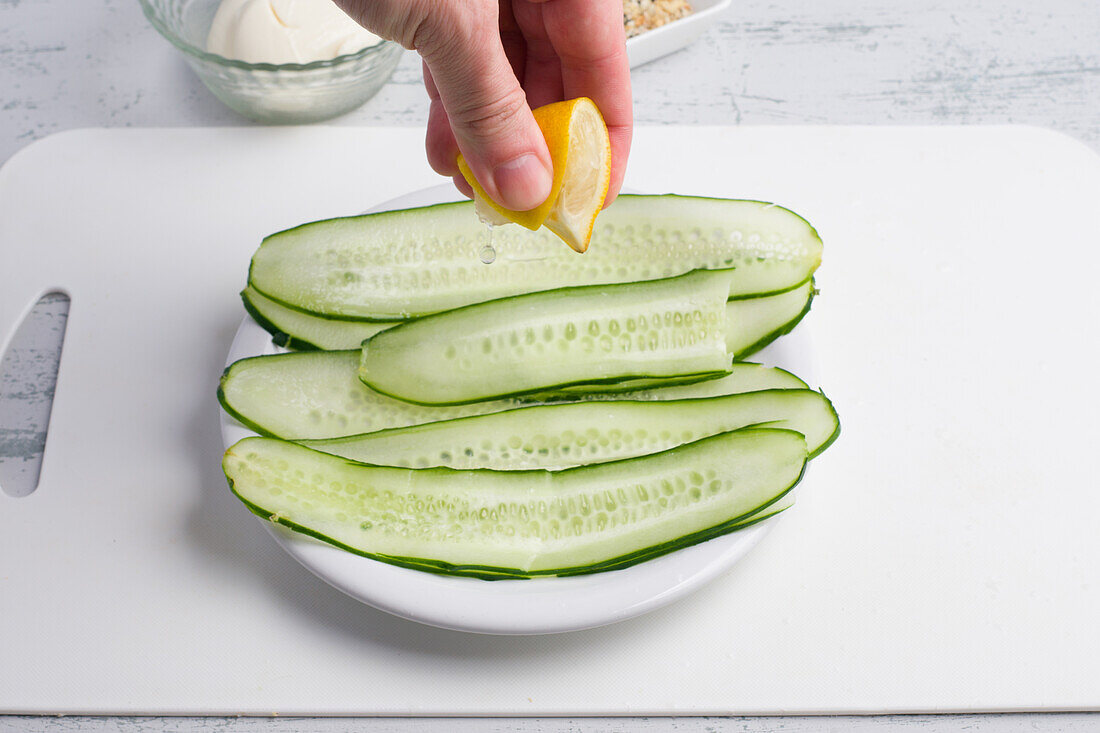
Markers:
point(643, 48)
point(538, 606)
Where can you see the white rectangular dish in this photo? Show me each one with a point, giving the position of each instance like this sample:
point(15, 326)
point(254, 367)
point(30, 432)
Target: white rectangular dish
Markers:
point(678, 34)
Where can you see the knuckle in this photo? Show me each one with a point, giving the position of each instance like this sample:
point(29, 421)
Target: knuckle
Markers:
point(442, 26)
point(424, 35)
point(485, 119)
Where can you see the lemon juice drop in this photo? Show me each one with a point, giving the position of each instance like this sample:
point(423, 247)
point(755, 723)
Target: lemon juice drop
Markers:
point(487, 254)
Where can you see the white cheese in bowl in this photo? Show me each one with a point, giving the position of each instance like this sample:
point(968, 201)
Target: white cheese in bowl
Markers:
point(285, 31)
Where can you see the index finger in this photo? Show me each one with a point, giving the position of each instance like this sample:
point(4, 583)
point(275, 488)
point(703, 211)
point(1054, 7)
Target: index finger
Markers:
point(589, 39)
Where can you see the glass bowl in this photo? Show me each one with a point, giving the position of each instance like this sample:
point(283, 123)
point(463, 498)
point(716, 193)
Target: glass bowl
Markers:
point(273, 93)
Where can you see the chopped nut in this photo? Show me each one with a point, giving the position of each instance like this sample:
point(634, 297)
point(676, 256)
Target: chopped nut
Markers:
point(640, 16)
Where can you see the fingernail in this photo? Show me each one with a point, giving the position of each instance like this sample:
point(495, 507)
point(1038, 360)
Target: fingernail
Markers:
point(522, 183)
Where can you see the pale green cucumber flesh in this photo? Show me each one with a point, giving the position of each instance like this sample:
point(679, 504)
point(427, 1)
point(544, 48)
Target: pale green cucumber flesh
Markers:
point(520, 523)
point(533, 343)
point(318, 395)
point(306, 332)
point(419, 261)
point(583, 433)
point(771, 510)
point(754, 323)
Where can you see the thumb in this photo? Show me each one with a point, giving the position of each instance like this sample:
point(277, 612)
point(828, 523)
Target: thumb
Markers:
point(471, 77)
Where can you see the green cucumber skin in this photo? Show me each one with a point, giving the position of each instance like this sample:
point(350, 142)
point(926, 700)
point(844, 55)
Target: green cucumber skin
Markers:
point(282, 415)
point(231, 410)
point(278, 336)
point(409, 362)
point(778, 378)
point(485, 573)
point(544, 431)
point(773, 509)
point(777, 333)
point(774, 312)
point(306, 365)
point(469, 571)
point(490, 572)
point(783, 253)
point(741, 352)
point(832, 438)
point(621, 386)
point(814, 453)
point(355, 332)
point(343, 333)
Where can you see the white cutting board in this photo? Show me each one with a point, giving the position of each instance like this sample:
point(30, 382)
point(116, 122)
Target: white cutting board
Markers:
point(943, 555)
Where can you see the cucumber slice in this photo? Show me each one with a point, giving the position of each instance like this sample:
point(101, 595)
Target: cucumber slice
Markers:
point(784, 503)
point(567, 435)
point(743, 377)
point(303, 331)
point(754, 323)
point(519, 523)
point(420, 261)
point(317, 394)
point(587, 335)
point(621, 386)
point(781, 505)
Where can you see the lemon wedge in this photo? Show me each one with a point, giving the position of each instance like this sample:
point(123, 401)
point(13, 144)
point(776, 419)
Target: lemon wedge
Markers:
point(580, 150)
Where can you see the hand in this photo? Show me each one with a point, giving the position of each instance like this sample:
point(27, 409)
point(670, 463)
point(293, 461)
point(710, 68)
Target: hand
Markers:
point(488, 62)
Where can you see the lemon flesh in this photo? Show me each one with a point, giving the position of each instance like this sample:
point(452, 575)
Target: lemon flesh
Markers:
point(580, 150)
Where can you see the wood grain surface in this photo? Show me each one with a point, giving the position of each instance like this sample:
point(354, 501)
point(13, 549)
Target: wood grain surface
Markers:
point(67, 64)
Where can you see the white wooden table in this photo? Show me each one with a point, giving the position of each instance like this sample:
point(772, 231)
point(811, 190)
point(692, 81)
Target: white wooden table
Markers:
point(65, 65)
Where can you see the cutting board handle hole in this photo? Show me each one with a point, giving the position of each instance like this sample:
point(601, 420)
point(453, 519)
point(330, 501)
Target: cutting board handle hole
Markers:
point(28, 375)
